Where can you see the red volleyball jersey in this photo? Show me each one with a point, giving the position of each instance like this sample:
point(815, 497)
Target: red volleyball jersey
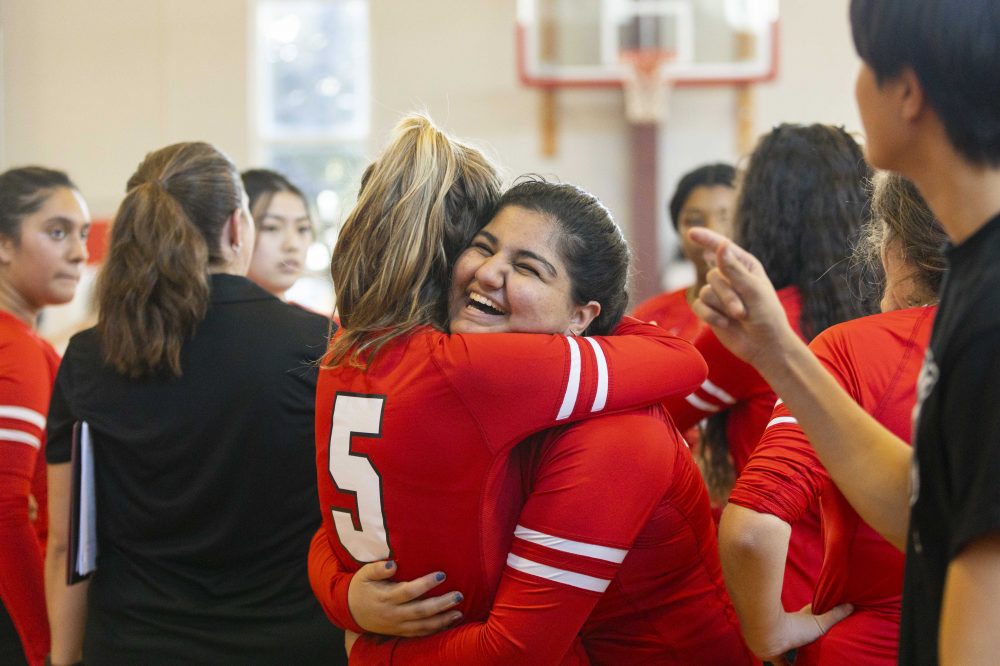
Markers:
point(735, 387)
point(877, 360)
point(413, 454)
point(672, 312)
point(27, 371)
point(616, 544)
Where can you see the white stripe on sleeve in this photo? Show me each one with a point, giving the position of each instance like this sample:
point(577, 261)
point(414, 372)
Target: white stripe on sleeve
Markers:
point(21, 437)
point(582, 581)
point(573, 383)
point(601, 398)
point(22, 414)
point(778, 420)
point(716, 391)
point(615, 555)
point(698, 403)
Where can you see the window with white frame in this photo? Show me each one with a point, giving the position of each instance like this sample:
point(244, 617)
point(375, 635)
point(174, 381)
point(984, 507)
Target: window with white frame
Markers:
point(312, 110)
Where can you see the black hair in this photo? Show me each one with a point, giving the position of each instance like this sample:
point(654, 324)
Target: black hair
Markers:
point(23, 191)
point(591, 244)
point(261, 186)
point(954, 50)
point(709, 175)
point(802, 203)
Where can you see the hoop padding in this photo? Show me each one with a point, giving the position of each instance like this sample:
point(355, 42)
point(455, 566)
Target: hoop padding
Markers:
point(647, 89)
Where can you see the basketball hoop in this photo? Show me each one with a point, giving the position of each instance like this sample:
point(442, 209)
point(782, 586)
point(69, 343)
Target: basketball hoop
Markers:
point(647, 90)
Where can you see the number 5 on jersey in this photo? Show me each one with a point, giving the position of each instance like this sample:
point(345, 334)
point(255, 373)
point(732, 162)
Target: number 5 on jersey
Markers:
point(353, 473)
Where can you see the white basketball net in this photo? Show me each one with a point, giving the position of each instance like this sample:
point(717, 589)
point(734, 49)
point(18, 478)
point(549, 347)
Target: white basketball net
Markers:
point(647, 93)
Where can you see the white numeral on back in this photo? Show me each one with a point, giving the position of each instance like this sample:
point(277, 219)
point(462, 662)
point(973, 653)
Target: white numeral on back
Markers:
point(353, 473)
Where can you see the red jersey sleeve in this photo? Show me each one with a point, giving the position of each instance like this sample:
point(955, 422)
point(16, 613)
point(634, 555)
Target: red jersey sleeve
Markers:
point(25, 388)
point(730, 380)
point(518, 384)
point(784, 476)
point(330, 583)
point(569, 544)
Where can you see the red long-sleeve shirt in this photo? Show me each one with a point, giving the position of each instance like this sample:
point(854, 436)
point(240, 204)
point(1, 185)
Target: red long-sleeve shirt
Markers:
point(877, 360)
point(27, 370)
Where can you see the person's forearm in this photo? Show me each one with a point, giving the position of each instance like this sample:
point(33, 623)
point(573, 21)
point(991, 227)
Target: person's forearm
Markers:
point(869, 464)
point(66, 604)
point(969, 614)
point(753, 547)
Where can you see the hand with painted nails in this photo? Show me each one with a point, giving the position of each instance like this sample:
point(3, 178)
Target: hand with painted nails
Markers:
point(384, 606)
point(740, 303)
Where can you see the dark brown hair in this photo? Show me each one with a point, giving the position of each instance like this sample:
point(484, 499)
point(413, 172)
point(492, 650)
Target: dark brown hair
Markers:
point(22, 192)
point(900, 215)
point(154, 288)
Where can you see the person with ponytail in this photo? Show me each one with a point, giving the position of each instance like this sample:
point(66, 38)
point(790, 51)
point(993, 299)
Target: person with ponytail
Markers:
point(197, 387)
point(43, 245)
point(802, 202)
point(416, 429)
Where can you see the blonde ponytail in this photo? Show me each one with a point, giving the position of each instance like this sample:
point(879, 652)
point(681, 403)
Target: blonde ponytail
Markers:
point(420, 203)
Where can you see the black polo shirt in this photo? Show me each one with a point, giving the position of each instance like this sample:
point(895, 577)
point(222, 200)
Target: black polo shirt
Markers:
point(205, 489)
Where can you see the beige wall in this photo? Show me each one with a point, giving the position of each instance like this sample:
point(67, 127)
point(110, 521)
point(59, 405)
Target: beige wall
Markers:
point(91, 85)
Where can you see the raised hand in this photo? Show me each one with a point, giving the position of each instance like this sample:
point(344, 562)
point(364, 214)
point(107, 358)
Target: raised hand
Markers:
point(740, 303)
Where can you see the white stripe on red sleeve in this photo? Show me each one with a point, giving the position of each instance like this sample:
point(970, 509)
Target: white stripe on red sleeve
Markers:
point(698, 403)
point(615, 555)
point(718, 392)
point(572, 383)
point(23, 414)
point(573, 579)
point(601, 398)
point(20, 437)
point(778, 420)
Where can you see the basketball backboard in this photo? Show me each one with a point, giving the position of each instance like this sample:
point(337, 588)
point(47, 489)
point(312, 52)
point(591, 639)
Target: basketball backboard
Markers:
point(579, 43)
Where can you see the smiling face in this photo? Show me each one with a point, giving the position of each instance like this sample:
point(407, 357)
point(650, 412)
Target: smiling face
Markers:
point(284, 233)
point(43, 265)
point(511, 279)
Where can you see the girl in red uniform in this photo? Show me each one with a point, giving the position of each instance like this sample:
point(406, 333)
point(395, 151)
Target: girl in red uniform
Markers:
point(415, 427)
point(706, 198)
point(801, 205)
point(635, 575)
point(43, 232)
point(877, 360)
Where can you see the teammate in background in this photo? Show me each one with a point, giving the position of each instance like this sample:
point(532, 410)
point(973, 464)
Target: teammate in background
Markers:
point(666, 602)
point(197, 387)
point(802, 202)
point(43, 246)
point(415, 427)
point(876, 359)
point(705, 197)
point(929, 99)
point(284, 230)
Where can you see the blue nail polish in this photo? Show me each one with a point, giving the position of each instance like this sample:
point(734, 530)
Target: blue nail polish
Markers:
point(389, 564)
point(439, 576)
point(458, 597)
